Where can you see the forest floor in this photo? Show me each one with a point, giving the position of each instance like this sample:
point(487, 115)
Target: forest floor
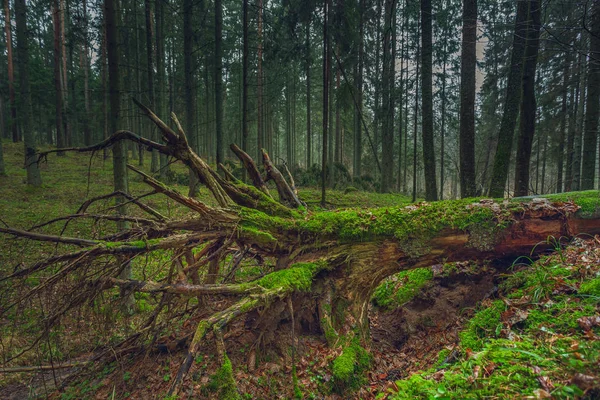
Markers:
point(463, 330)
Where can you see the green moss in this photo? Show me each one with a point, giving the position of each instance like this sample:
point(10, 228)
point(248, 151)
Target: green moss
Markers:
point(589, 200)
point(486, 323)
point(349, 366)
point(591, 287)
point(298, 277)
point(223, 382)
point(401, 288)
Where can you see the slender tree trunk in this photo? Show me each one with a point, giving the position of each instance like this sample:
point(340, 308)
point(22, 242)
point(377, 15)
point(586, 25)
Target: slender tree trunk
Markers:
point(60, 134)
point(357, 162)
point(308, 122)
point(138, 118)
point(118, 149)
point(189, 86)
point(260, 116)
point(245, 55)
point(511, 103)
point(338, 128)
point(11, 74)
point(401, 101)
point(325, 100)
point(64, 75)
point(87, 132)
point(161, 89)
point(467, 99)
point(427, 90)
point(443, 124)
point(581, 88)
point(563, 126)
point(588, 170)
point(528, 102)
point(219, 79)
point(25, 110)
point(154, 163)
point(416, 118)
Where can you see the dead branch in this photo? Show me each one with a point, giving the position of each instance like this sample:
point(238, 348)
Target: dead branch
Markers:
point(49, 238)
point(250, 167)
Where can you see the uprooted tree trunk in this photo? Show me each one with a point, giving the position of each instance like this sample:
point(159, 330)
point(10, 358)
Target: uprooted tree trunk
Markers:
point(328, 262)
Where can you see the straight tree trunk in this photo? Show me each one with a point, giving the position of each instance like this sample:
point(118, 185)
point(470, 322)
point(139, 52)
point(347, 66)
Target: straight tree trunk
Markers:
point(588, 165)
point(308, 122)
point(64, 75)
point(528, 102)
point(245, 55)
point(325, 100)
point(260, 116)
point(467, 99)
point(189, 86)
point(154, 163)
point(25, 110)
point(161, 89)
point(219, 79)
point(118, 149)
point(579, 130)
point(11, 74)
point(443, 124)
point(377, 80)
point(357, 161)
point(427, 90)
point(87, 132)
point(563, 126)
point(416, 118)
point(387, 134)
point(511, 103)
point(60, 133)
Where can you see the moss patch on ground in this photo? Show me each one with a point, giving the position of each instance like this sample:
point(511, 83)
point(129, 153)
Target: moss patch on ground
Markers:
point(536, 343)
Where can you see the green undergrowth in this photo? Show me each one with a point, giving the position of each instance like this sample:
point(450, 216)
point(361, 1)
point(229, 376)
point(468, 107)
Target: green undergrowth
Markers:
point(528, 344)
point(399, 289)
point(348, 368)
point(298, 277)
point(223, 382)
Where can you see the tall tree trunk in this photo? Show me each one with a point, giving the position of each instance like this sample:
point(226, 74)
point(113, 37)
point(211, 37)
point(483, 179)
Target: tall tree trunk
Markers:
point(11, 74)
point(245, 55)
point(64, 76)
point(357, 161)
point(60, 134)
point(260, 128)
point(588, 165)
point(467, 99)
point(416, 117)
point(377, 80)
point(161, 84)
point(118, 149)
point(427, 90)
point(563, 125)
point(33, 172)
point(443, 124)
point(308, 122)
point(338, 127)
point(189, 86)
point(325, 100)
point(386, 114)
point(87, 132)
point(511, 103)
point(154, 163)
point(528, 101)
point(219, 79)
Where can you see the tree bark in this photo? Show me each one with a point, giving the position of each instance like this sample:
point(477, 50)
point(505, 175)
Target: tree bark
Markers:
point(325, 100)
point(427, 98)
point(308, 62)
point(190, 85)
point(33, 171)
point(467, 99)
point(588, 164)
point(60, 133)
point(528, 101)
point(219, 80)
point(11, 75)
point(511, 103)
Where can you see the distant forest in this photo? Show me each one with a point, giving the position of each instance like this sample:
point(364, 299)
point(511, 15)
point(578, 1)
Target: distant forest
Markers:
point(434, 99)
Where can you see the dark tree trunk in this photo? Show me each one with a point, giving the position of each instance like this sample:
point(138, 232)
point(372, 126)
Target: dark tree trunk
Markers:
point(33, 171)
point(416, 119)
point(60, 134)
point(357, 161)
point(325, 100)
point(189, 87)
point(560, 150)
point(308, 130)
point(385, 111)
point(160, 95)
point(588, 164)
point(245, 55)
point(11, 77)
point(511, 103)
point(219, 80)
point(260, 116)
point(154, 163)
point(427, 98)
point(87, 132)
point(528, 101)
point(467, 99)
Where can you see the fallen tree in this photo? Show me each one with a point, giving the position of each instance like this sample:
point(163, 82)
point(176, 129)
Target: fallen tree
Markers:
point(325, 265)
